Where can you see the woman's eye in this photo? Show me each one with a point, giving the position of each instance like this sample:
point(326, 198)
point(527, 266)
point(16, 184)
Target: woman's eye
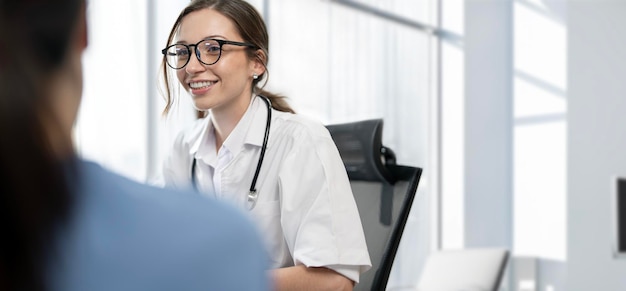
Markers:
point(212, 49)
point(182, 53)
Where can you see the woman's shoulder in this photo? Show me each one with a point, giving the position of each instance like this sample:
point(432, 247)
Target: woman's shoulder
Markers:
point(301, 126)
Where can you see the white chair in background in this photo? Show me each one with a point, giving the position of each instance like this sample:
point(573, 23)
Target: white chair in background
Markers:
point(464, 270)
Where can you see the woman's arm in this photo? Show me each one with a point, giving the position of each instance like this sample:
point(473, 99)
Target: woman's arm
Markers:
point(315, 278)
point(319, 218)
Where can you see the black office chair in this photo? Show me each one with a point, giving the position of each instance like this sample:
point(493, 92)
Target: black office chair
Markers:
point(383, 191)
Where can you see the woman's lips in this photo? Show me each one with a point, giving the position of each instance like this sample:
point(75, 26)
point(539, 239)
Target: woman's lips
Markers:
point(200, 87)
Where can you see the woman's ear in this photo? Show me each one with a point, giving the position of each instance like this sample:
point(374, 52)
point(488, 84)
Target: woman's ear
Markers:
point(259, 62)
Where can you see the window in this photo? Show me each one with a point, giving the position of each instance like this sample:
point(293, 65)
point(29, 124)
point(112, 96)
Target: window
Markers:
point(540, 126)
point(342, 61)
point(112, 123)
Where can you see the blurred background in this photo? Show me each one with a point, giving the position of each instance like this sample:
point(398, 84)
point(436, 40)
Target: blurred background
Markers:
point(513, 108)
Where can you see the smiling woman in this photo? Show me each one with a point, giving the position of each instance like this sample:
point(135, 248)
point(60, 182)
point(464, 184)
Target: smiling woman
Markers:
point(225, 37)
point(218, 51)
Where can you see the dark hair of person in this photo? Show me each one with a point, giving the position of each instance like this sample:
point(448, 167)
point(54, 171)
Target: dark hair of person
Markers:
point(35, 196)
point(252, 29)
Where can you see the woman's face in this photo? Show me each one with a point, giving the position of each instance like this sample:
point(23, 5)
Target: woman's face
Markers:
point(225, 84)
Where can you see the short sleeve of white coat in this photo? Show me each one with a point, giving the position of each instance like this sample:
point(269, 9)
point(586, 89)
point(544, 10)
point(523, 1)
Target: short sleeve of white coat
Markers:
point(319, 216)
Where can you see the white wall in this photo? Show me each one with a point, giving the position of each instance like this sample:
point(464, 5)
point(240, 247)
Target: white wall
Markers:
point(487, 123)
point(596, 140)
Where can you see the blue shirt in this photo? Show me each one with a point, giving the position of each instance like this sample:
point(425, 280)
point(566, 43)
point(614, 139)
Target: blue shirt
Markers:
point(128, 236)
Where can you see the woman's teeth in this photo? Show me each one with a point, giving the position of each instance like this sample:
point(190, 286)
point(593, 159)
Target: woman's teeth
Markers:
point(197, 85)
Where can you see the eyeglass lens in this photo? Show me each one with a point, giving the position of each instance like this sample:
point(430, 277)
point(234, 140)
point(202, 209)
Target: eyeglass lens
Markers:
point(177, 56)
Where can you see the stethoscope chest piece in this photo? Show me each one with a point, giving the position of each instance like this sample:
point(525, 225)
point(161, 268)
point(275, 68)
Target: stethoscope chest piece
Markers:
point(252, 198)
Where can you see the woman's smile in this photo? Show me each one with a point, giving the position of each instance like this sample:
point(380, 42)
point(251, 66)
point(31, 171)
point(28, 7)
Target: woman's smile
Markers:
point(200, 87)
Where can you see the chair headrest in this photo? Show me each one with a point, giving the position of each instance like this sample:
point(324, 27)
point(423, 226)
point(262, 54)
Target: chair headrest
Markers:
point(360, 146)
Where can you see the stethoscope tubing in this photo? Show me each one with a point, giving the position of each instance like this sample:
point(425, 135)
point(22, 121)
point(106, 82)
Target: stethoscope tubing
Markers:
point(252, 195)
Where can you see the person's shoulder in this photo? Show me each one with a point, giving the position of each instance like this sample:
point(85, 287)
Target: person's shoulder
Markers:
point(158, 239)
point(177, 206)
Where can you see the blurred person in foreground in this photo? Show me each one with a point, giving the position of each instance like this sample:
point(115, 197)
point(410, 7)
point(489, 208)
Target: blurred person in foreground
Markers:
point(68, 224)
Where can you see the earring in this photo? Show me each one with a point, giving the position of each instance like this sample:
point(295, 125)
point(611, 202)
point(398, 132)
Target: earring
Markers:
point(255, 76)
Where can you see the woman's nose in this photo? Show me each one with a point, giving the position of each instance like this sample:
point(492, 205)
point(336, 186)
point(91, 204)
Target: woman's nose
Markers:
point(194, 65)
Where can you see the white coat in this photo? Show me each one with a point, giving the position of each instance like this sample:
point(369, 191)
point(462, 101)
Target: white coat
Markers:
point(305, 208)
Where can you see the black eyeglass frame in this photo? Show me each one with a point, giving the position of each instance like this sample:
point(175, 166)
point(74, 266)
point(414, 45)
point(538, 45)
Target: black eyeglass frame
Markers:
point(221, 42)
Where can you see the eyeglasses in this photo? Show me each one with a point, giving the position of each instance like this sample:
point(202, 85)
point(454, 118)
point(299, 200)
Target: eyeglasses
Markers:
point(208, 52)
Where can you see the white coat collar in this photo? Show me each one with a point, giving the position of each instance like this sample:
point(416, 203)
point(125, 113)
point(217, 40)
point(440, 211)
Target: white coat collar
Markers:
point(258, 121)
point(249, 130)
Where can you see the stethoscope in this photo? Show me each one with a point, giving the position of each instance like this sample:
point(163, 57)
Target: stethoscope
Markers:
point(252, 195)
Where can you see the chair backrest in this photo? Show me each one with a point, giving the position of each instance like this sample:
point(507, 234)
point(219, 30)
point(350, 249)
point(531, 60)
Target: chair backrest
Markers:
point(384, 193)
point(466, 269)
